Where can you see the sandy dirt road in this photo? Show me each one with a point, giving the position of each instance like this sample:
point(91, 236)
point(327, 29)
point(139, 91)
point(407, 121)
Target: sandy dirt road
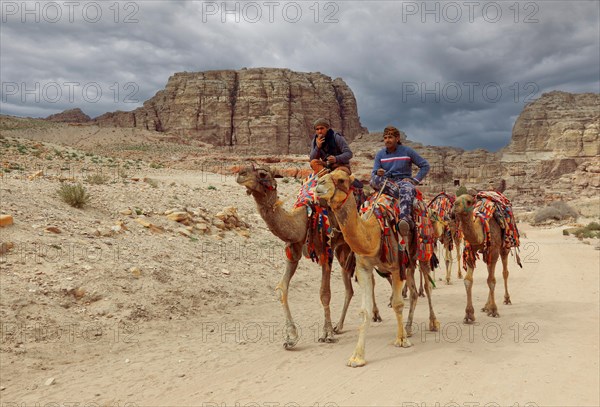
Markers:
point(542, 351)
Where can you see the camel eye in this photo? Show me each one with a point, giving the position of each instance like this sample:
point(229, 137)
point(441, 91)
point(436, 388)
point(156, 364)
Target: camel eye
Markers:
point(262, 175)
point(340, 182)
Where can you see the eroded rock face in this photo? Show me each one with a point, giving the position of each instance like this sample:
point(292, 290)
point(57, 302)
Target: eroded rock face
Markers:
point(70, 116)
point(553, 142)
point(557, 125)
point(266, 109)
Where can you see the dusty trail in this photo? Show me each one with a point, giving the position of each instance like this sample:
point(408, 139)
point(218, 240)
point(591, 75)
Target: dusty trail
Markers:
point(542, 351)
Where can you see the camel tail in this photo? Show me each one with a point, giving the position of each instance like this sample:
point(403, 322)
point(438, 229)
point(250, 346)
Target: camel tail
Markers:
point(434, 262)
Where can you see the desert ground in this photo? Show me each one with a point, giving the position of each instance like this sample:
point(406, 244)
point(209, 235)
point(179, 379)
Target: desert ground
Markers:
point(116, 304)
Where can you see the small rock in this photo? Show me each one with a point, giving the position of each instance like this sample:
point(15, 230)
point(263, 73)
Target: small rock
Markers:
point(181, 375)
point(225, 271)
point(52, 229)
point(5, 247)
point(136, 272)
point(50, 381)
point(126, 212)
point(6, 220)
point(184, 232)
point(143, 222)
point(178, 216)
point(126, 360)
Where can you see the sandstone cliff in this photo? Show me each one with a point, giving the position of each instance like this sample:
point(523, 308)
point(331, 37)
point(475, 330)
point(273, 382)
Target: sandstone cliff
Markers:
point(270, 110)
point(70, 116)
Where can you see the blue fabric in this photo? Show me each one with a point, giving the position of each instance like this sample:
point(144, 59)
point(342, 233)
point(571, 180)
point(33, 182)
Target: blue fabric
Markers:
point(398, 165)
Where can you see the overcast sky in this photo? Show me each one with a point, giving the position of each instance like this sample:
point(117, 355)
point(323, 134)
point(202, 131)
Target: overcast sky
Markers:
point(446, 72)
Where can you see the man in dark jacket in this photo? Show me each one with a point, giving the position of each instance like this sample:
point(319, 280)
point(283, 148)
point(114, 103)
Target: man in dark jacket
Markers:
point(329, 148)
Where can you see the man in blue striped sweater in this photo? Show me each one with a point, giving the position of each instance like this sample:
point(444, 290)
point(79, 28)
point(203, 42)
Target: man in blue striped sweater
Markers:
point(394, 163)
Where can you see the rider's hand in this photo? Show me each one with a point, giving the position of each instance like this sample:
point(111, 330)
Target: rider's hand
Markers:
point(381, 172)
point(331, 159)
point(320, 141)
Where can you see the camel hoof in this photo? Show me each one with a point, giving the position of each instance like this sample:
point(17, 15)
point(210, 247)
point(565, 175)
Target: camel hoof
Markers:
point(460, 276)
point(507, 301)
point(448, 282)
point(408, 331)
point(377, 318)
point(493, 313)
point(402, 343)
point(327, 338)
point(338, 329)
point(290, 344)
point(356, 362)
point(434, 326)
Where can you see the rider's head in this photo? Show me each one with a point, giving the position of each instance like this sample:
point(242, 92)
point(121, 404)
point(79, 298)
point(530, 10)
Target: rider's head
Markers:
point(391, 136)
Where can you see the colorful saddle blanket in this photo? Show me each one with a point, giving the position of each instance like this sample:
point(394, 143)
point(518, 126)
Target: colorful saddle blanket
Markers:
point(389, 212)
point(492, 204)
point(319, 227)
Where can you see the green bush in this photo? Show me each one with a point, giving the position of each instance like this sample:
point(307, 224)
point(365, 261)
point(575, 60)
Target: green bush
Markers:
point(74, 195)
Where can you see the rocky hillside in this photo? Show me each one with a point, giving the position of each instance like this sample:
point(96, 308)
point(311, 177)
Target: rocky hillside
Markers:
point(264, 109)
point(70, 116)
point(555, 147)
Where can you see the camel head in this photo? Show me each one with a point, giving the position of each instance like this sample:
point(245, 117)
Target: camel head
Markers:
point(463, 205)
point(438, 224)
point(257, 179)
point(334, 187)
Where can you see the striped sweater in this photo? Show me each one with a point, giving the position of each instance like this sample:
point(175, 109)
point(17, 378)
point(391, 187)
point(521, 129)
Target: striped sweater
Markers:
point(398, 165)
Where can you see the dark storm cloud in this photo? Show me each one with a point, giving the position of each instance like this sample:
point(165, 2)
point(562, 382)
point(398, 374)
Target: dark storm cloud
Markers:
point(442, 77)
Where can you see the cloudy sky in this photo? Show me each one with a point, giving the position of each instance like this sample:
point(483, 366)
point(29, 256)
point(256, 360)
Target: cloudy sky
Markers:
point(446, 72)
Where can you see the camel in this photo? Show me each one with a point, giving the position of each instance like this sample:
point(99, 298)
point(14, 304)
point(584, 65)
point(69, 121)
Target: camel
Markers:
point(473, 230)
point(292, 228)
point(446, 230)
point(364, 237)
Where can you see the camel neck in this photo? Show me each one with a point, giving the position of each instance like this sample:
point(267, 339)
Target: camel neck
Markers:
point(472, 229)
point(358, 232)
point(288, 226)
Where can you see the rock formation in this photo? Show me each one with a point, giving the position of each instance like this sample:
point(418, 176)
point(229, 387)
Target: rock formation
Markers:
point(70, 116)
point(270, 110)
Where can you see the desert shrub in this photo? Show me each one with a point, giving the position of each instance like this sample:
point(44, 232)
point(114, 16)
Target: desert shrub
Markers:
point(593, 226)
point(97, 179)
point(555, 211)
point(74, 195)
point(592, 230)
point(152, 182)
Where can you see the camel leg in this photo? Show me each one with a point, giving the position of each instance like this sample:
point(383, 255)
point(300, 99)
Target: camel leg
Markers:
point(325, 300)
point(376, 315)
point(434, 325)
point(469, 311)
point(504, 257)
point(291, 334)
point(490, 306)
point(410, 283)
point(457, 245)
point(347, 278)
point(398, 306)
point(421, 290)
point(366, 308)
point(448, 261)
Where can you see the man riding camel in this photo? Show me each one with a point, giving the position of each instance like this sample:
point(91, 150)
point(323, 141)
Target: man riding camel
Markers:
point(394, 163)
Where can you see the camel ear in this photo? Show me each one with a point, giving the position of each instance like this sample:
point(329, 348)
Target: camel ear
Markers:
point(352, 178)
